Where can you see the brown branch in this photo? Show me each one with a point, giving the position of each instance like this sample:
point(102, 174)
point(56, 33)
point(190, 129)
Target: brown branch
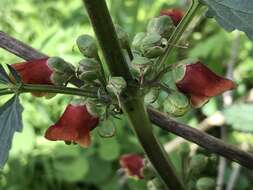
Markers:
point(161, 120)
point(19, 48)
point(201, 138)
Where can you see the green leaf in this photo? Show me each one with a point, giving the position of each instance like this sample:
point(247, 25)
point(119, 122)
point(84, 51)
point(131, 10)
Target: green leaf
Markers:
point(14, 73)
point(239, 116)
point(11, 121)
point(232, 14)
point(3, 75)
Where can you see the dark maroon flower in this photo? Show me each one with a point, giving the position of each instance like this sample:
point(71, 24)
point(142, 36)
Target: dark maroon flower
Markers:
point(132, 164)
point(35, 71)
point(74, 126)
point(175, 14)
point(199, 83)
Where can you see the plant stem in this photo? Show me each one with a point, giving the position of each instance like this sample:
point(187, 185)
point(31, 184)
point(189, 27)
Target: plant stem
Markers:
point(25, 88)
point(107, 38)
point(138, 119)
point(178, 32)
point(132, 103)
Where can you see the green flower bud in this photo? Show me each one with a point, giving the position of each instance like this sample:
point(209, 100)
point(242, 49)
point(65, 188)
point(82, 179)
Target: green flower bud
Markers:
point(95, 109)
point(198, 164)
point(205, 183)
point(60, 78)
point(87, 45)
point(153, 45)
point(162, 25)
point(176, 104)
point(59, 65)
point(137, 40)
point(122, 36)
point(116, 85)
point(152, 95)
point(89, 69)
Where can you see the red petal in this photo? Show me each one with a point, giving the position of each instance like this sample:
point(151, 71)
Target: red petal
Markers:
point(34, 71)
point(175, 14)
point(133, 164)
point(200, 83)
point(74, 125)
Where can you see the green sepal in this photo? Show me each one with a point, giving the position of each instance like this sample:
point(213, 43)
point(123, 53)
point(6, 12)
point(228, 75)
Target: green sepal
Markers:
point(116, 85)
point(88, 69)
point(162, 25)
point(205, 183)
point(176, 104)
point(198, 164)
point(59, 65)
point(94, 108)
point(137, 40)
point(87, 46)
point(60, 78)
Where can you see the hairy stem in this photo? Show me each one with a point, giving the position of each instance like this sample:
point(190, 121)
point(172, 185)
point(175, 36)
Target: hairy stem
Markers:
point(131, 101)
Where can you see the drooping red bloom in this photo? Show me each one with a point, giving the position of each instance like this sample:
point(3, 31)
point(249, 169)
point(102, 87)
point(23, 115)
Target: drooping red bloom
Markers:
point(199, 83)
point(35, 71)
point(175, 14)
point(132, 164)
point(74, 126)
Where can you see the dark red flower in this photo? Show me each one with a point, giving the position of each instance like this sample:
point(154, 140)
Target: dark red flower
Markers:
point(132, 164)
point(74, 126)
point(175, 14)
point(35, 71)
point(199, 83)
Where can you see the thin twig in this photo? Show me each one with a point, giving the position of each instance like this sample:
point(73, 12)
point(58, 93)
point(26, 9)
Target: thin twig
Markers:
point(191, 134)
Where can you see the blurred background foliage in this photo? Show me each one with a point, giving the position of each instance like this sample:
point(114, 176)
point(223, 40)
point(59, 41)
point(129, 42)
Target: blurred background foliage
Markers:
point(52, 27)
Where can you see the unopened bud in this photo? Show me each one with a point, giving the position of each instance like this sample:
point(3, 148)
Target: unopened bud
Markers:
point(162, 25)
point(89, 69)
point(87, 46)
point(116, 85)
point(153, 45)
point(176, 104)
point(137, 40)
point(205, 183)
point(198, 164)
point(60, 78)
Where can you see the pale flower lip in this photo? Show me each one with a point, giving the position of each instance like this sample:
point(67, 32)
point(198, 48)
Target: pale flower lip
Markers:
point(132, 164)
point(74, 126)
point(199, 83)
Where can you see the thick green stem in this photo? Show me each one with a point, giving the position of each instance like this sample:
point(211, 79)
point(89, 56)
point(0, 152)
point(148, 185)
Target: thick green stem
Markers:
point(131, 101)
point(175, 37)
point(138, 119)
point(107, 38)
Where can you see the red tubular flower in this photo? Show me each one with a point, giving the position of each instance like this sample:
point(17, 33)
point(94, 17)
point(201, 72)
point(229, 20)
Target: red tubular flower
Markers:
point(74, 126)
point(35, 71)
point(199, 83)
point(175, 14)
point(132, 164)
